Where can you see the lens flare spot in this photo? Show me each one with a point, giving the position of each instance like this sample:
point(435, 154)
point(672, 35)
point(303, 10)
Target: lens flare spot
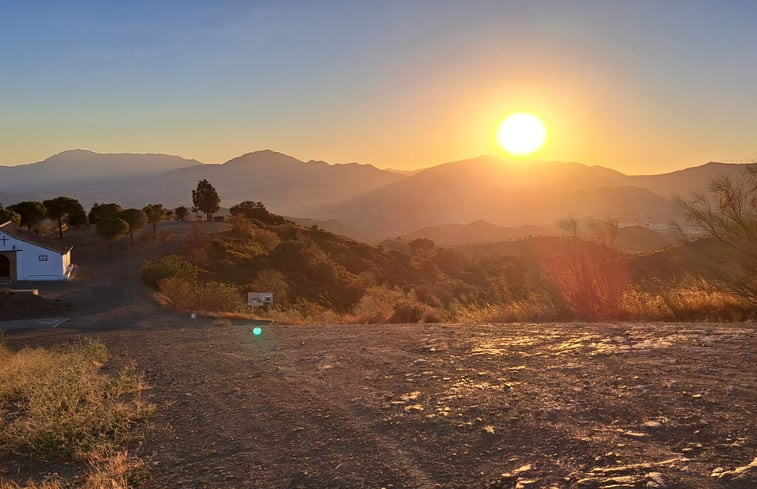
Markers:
point(257, 331)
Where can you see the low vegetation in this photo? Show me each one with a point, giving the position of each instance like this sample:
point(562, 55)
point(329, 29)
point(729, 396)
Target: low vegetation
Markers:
point(729, 215)
point(58, 405)
point(319, 277)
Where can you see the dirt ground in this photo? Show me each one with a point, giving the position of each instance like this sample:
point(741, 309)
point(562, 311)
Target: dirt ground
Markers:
point(419, 406)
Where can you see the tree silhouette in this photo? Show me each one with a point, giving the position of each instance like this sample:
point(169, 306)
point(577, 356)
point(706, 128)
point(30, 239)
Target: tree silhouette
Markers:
point(256, 210)
point(112, 229)
point(65, 209)
point(155, 214)
point(181, 213)
point(729, 215)
point(8, 215)
point(205, 198)
point(31, 212)
point(136, 219)
point(100, 212)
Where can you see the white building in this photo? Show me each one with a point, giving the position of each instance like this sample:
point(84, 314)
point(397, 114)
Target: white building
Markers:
point(26, 256)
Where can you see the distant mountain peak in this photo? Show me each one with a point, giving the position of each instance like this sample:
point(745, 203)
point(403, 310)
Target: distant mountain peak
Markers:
point(78, 153)
point(265, 152)
point(82, 154)
point(263, 156)
point(352, 164)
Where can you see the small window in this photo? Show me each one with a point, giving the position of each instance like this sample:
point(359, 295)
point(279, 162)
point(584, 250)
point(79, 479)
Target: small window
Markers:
point(42, 257)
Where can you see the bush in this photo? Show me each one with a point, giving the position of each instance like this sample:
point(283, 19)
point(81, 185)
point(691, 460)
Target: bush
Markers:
point(589, 277)
point(219, 297)
point(170, 266)
point(408, 312)
point(377, 305)
point(178, 292)
point(271, 280)
point(215, 297)
point(384, 305)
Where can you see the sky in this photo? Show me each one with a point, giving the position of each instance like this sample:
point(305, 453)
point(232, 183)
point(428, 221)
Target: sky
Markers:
point(638, 86)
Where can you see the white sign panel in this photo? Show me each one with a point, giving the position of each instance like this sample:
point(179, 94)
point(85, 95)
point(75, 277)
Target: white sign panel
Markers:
point(257, 299)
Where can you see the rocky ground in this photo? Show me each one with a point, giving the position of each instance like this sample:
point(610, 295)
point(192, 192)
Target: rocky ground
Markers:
point(488, 406)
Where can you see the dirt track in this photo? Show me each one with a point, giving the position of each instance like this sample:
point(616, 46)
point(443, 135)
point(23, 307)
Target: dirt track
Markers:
point(488, 406)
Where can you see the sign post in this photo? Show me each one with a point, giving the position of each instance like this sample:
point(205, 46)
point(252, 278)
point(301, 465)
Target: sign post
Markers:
point(257, 299)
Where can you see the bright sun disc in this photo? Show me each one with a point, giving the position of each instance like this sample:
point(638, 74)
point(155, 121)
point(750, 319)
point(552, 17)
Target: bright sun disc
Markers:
point(521, 134)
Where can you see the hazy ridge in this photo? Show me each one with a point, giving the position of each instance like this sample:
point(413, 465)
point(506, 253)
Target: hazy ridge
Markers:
point(365, 201)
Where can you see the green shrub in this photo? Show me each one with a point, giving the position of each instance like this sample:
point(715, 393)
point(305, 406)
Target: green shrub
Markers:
point(215, 297)
point(169, 266)
point(219, 297)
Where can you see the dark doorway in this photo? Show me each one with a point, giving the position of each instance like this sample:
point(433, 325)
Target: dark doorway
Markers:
point(5, 267)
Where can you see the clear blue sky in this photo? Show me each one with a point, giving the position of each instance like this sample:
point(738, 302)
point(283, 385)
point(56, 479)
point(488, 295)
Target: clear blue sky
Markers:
point(641, 86)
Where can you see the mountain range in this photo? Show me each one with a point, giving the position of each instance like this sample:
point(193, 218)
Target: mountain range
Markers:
point(367, 202)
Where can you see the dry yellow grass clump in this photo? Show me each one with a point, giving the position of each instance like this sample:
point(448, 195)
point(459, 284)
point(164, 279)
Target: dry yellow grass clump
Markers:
point(57, 404)
point(111, 472)
point(692, 300)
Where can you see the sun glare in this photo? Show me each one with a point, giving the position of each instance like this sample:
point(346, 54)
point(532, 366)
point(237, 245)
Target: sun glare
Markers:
point(521, 134)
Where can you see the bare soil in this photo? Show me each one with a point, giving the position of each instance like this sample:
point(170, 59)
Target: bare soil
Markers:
point(24, 305)
point(419, 406)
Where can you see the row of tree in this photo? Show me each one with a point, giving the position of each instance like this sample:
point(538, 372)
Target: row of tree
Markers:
point(113, 222)
point(67, 211)
point(62, 210)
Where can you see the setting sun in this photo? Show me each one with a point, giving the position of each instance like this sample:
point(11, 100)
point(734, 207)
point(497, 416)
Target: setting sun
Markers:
point(521, 134)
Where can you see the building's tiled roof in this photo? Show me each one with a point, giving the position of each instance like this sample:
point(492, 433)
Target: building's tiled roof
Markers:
point(21, 234)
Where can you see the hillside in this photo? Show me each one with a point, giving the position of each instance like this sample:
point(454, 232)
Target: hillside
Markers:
point(287, 185)
point(505, 194)
point(687, 181)
point(88, 176)
point(363, 200)
point(483, 405)
point(80, 166)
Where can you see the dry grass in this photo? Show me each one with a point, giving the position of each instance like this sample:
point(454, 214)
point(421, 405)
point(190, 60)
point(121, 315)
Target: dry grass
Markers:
point(693, 300)
point(118, 471)
point(688, 300)
point(304, 312)
point(58, 405)
point(515, 311)
point(377, 305)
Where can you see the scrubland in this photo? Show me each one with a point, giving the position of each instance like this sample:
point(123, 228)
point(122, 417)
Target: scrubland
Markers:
point(59, 405)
